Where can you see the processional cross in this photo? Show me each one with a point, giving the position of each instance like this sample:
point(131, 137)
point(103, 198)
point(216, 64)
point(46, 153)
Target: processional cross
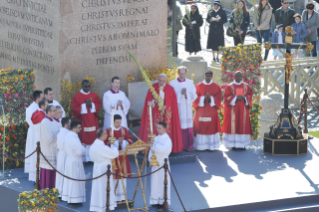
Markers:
point(285, 127)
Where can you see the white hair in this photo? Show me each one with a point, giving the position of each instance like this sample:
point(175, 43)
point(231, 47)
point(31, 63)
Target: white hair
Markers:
point(162, 75)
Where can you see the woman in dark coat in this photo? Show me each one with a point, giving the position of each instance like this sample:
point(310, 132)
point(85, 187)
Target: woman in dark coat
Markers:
point(216, 18)
point(192, 23)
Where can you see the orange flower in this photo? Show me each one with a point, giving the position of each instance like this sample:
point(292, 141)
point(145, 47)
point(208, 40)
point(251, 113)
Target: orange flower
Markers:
point(28, 79)
point(7, 138)
point(13, 127)
point(9, 69)
point(257, 97)
point(2, 128)
point(252, 114)
point(33, 86)
point(25, 125)
point(50, 209)
point(222, 67)
point(8, 91)
point(237, 61)
point(12, 91)
point(221, 106)
point(23, 86)
point(223, 112)
point(234, 64)
point(225, 60)
point(238, 69)
point(261, 107)
point(256, 57)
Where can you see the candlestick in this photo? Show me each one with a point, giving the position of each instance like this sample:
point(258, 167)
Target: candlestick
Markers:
point(150, 114)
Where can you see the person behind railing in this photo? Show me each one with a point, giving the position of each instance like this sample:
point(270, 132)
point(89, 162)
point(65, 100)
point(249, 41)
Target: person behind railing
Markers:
point(299, 35)
point(101, 156)
point(192, 27)
point(66, 123)
point(278, 37)
point(311, 21)
point(48, 138)
point(239, 21)
point(262, 23)
point(74, 191)
point(284, 14)
point(216, 18)
point(162, 148)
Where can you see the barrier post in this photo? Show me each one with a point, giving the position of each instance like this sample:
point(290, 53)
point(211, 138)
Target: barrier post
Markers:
point(108, 188)
point(165, 205)
point(37, 182)
point(305, 97)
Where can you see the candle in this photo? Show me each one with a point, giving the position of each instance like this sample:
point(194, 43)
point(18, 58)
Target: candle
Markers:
point(150, 113)
point(112, 126)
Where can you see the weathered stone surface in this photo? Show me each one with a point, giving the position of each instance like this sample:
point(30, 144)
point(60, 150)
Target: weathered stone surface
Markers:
point(30, 34)
point(271, 104)
point(72, 39)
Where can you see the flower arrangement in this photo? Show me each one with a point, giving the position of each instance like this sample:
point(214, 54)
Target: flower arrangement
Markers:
point(16, 91)
point(69, 89)
point(45, 200)
point(171, 73)
point(248, 59)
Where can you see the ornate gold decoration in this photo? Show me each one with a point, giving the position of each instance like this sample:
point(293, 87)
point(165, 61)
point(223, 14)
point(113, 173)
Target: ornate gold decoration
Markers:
point(280, 136)
point(154, 160)
point(289, 30)
point(309, 47)
point(285, 131)
point(267, 45)
point(129, 78)
point(112, 139)
point(114, 164)
point(288, 39)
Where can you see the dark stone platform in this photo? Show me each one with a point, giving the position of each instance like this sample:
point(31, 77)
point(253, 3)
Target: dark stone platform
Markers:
point(174, 158)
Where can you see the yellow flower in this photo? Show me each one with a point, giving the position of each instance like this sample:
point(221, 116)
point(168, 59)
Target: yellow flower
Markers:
point(54, 190)
point(26, 72)
point(234, 50)
point(52, 198)
point(49, 195)
point(35, 189)
point(33, 203)
point(29, 196)
point(23, 194)
point(227, 47)
point(45, 191)
point(35, 194)
point(9, 69)
point(22, 202)
point(46, 201)
point(225, 52)
point(245, 47)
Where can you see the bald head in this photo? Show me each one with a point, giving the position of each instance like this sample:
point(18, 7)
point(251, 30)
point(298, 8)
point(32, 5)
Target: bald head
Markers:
point(238, 76)
point(162, 79)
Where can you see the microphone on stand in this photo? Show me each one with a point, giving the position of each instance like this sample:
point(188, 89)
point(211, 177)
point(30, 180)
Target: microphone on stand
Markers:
point(4, 141)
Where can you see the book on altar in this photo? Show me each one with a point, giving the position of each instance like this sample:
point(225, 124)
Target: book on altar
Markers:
point(239, 92)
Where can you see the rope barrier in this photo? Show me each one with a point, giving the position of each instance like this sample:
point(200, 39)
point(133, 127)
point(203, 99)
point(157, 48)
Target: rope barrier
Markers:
point(313, 105)
point(302, 108)
point(176, 190)
point(18, 159)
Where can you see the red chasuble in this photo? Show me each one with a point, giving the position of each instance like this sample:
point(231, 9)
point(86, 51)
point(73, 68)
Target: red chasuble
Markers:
point(236, 119)
point(90, 123)
point(206, 119)
point(126, 135)
point(170, 116)
point(37, 116)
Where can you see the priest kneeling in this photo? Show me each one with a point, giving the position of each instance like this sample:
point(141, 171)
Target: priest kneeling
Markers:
point(162, 148)
point(123, 138)
point(74, 191)
point(237, 127)
point(102, 155)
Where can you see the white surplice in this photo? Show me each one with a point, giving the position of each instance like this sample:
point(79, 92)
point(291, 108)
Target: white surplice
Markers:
point(56, 103)
point(185, 106)
point(61, 159)
point(162, 148)
point(110, 99)
point(30, 136)
point(73, 191)
point(33, 158)
point(48, 137)
point(102, 155)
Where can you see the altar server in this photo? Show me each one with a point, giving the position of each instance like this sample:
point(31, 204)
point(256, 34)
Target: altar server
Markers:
point(186, 94)
point(66, 123)
point(74, 191)
point(118, 99)
point(162, 147)
point(48, 95)
point(102, 155)
point(48, 138)
point(34, 106)
point(237, 127)
point(206, 119)
point(123, 138)
point(85, 107)
point(36, 119)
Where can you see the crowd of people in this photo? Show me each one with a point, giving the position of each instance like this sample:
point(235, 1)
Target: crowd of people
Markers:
point(305, 25)
point(66, 143)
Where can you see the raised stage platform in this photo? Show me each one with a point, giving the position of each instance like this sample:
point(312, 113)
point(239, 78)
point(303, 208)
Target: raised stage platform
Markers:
point(221, 181)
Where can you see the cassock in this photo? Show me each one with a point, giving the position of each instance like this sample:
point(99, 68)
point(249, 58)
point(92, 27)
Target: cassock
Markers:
point(121, 132)
point(56, 103)
point(88, 116)
point(30, 136)
point(57, 122)
point(48, 138)
point(237, 127)
point(185, 109)
point(73, 191)
point(206, 119)
point(170, 116)
point(61, 158)
point(111, 98)
point(162, 148)
point(102, 155)
point(36, 119)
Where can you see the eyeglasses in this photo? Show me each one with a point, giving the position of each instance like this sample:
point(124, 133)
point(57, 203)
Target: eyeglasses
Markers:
point(285, 3)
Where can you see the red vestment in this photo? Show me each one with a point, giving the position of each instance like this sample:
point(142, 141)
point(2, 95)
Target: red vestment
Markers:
point(122, 132)
point(236, 118)
point(37, 116)
point(90, 123)
point(170, 116)
point(206, 119)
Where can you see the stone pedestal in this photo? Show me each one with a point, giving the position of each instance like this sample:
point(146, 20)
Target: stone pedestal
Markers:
point(271, 105)
point(72, 39)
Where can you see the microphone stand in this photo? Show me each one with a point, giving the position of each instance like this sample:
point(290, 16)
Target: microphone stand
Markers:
point(4, 174)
